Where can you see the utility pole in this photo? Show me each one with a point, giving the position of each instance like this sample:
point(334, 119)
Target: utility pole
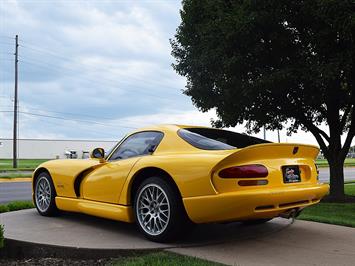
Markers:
point(14, 148)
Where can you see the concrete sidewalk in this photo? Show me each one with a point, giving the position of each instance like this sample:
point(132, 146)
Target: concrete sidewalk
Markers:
point(302, 243)
point(73, 230)
point(277, 242)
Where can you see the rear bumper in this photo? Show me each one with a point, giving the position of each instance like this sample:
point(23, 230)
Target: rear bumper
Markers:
point(252, 204)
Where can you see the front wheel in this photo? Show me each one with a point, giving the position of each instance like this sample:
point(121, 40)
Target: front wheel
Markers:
point(158, 210)
point(44, 195)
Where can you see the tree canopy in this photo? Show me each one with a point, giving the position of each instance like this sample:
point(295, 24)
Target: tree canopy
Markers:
point(269, 63)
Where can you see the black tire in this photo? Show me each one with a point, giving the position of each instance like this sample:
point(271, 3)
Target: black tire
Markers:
point(177, 220)
point(257, 221)
point(51, 209)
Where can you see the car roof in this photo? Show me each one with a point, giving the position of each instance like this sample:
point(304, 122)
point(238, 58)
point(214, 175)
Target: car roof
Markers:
point(167, 127)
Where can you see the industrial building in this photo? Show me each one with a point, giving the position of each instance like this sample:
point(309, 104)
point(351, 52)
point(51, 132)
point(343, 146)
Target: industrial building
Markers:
point(51, 148)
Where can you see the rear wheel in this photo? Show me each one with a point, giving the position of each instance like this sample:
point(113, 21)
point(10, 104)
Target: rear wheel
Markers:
point(158, 210)
point(44, 195)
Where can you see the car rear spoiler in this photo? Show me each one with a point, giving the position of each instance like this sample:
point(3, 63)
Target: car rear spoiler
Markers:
point(269, 151)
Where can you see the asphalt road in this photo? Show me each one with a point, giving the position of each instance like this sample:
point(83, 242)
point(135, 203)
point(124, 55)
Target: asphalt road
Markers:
point(349, 174)
point(22, 190)
point(15, 191)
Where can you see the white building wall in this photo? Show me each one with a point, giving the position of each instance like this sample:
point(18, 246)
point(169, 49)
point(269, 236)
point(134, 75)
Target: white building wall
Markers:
point(50, 149)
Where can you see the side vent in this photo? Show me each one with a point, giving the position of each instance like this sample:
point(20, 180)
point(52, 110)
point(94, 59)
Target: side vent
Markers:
point(79, 179)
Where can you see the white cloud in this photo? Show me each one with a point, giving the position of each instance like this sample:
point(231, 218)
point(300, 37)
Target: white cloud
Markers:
point(133, 32)
point(192, 117)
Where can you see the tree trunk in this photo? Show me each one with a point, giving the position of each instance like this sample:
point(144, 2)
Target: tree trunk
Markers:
point(336, 167)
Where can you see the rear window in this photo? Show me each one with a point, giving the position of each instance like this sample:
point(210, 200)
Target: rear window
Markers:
point(216, 139)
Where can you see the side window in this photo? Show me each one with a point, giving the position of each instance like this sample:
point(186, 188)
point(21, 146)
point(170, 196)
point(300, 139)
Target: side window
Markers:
point(138, 144)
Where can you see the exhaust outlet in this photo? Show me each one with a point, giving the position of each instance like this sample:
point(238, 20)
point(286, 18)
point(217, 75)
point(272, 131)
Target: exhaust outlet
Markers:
point(290, 213)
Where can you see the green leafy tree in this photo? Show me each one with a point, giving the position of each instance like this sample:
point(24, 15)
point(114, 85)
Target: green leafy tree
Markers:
point(272, 63)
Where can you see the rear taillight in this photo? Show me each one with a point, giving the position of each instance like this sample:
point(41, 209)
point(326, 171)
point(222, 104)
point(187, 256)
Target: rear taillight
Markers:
point(244, 171)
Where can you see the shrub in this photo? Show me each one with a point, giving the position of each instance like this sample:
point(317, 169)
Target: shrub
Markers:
point(16, 205)
point(3, 208)
point(1, 236)
point(20, 205)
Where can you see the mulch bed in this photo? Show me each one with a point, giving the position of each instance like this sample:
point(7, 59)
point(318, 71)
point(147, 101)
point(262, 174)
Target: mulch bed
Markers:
point(53, 261)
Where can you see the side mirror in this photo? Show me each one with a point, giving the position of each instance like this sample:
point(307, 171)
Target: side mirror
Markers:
point(98, 153)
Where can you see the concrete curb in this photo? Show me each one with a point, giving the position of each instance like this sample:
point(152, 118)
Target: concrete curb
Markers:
point(15, 179)
point(22, 249)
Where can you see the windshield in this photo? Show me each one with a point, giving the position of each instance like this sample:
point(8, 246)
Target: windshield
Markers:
point(216, 139)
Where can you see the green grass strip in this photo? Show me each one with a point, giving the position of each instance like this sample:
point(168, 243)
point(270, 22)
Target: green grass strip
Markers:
point(162, 259)
point(16, 206)
point(23, 164)
point(332, 213)
point(11, 176)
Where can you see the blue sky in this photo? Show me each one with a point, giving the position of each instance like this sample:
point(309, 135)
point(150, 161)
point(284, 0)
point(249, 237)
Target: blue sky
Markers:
point(94, 69)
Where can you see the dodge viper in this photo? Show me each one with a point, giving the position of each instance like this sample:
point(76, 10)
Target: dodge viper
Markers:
point(167, 177)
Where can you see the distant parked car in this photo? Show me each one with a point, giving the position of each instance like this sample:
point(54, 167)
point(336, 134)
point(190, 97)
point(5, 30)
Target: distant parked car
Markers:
point(165, 177)
point(71, 154)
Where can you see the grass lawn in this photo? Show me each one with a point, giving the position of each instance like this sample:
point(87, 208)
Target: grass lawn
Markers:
point(332, 213)
point(324, 163)
point(12, 175)
point(23, 164)
point(161, 259)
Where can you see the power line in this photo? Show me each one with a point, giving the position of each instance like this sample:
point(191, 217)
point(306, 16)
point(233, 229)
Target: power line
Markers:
point(67, 113)
point(56, 112)
point(73, 75)
point(7, 37)
point(86, 127)
point(44, 51)
point(70, 119)
point(7, 53)
point(55, 67)
point(6, 43)
point(73, 70)
point(41, 50)
point(65, 126)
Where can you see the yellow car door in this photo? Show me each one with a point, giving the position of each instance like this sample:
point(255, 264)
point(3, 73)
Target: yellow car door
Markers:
point(106, 182)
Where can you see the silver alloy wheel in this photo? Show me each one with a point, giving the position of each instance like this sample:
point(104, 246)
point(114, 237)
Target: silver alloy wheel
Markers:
point(43, 194)
point(153, 209)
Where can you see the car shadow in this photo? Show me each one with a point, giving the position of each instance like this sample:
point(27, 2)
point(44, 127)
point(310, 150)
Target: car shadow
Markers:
point(201, 234)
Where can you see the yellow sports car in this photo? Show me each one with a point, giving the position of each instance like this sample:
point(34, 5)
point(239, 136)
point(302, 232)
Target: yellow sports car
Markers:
point(165, 177)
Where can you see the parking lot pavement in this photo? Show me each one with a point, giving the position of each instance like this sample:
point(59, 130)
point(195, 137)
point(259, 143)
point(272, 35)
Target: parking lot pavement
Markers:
point(302, 243)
